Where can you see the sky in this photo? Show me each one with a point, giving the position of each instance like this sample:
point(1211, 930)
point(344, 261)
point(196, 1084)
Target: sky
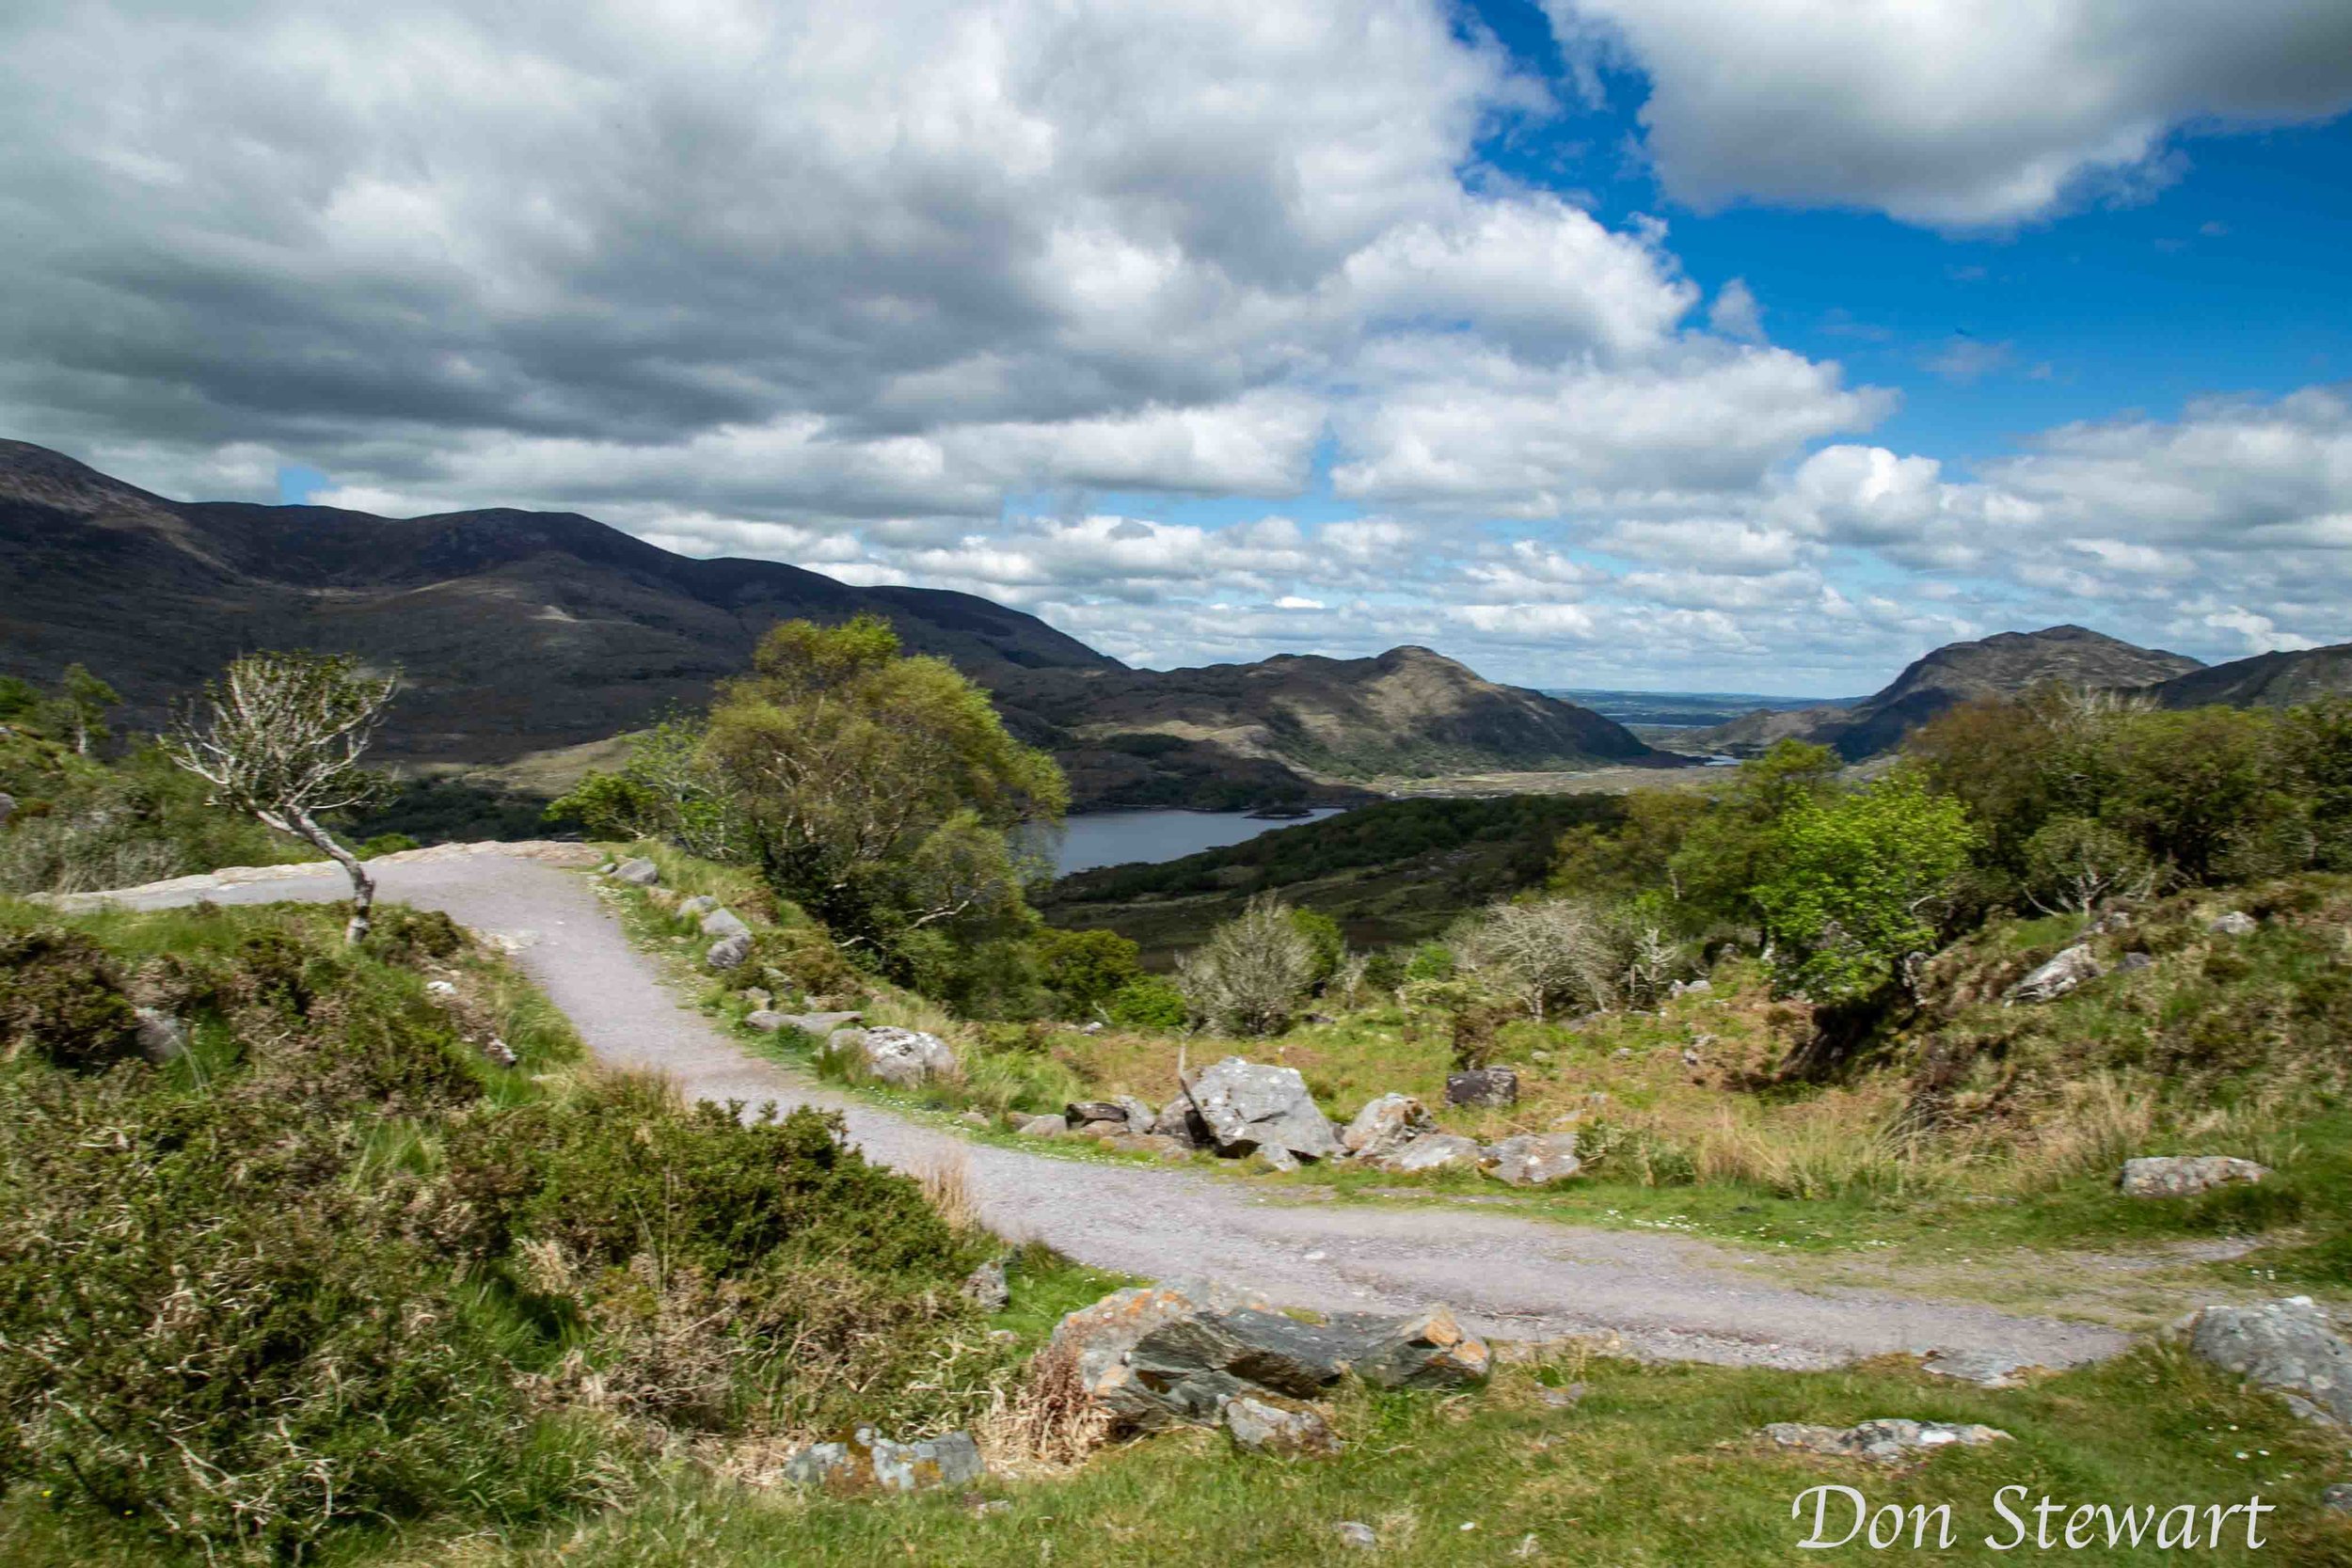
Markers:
point(1755, 345)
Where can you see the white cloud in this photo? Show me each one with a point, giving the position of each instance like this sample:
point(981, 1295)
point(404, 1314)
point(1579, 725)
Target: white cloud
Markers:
point(1954, 113)
point(1736, 312)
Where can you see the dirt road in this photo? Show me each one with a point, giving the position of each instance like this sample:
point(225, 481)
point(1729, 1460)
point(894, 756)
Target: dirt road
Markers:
point(1663, 1296)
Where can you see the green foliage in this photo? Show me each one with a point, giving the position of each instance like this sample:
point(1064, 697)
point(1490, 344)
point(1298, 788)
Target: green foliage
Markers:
point(1251, 976)
point(1086, 969)
point(59, 996)
point(1856, 884)
point(1147, 1002)
point(385, 844)
point(879, 789)
point(1430, 961)
point(666, 790)
point(458, 811)
point(1326, 947)
point(83, 703)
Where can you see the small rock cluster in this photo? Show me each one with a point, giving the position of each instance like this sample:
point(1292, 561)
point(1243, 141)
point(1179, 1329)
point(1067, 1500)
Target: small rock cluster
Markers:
point(863, 1461)
point(1882, 1441)
point(1200, 1353)
point(2287, 1345)
point(2185, 1175)
point(900, 1057)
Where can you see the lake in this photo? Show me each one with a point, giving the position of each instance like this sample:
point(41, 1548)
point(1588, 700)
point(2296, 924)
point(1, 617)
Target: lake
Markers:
point(1118, 837)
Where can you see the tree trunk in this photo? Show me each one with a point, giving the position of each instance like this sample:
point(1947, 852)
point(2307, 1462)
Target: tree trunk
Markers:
point(363, 885)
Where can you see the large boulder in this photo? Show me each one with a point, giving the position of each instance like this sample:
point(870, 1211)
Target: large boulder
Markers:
point(1532, 1159)
point(729, 951)
point(2288, 1345)
point(866, 1461)
point(1250, 1106)
point(2075, 967)
point(2185, 1175)
point(900, 1057)
point(723, 923)
point(1490, 1087)
point(637, 873)
point(1432, 1151)
point(1180, 1119)
point(1384, 1126)
point(1175, 1353)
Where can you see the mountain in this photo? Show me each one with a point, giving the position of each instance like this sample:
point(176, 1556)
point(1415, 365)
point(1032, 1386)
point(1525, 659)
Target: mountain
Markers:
point(1125, 735)
point(519, 631)
point(2265, 680)
point(529, 633)
point(1998, 666)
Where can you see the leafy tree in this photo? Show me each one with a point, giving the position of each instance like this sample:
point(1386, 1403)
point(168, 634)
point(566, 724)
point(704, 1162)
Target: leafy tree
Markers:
point(1856, 882)
point(1149, 1002)
point(877, 790)
point(1086, 969)
point(1726, 853)
point(663, 790)
point(279, 736)
point(83, 707)
point(1326, 941)
point(2073, 862)
point(1631, 855)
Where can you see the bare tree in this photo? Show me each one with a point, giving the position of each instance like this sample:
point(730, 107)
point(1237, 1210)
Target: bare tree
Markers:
point(279, 734)
point(1250, 977)
point(1540, 952)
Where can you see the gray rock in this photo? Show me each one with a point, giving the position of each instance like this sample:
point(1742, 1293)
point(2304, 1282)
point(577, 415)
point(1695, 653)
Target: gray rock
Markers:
point(1043, 1126)
point(1432, 1151)
point(903, 1057)
point(1154, 1144)
point(499, 1051)
point(8, 807)
point(728, 953)
point(1427, 1350)
point(2072, 968)
point(2113, 920)
point(1140, 1116)
point(1100, 1129)
point(820, 1024)
point(162, 1038)
point(1180, 1119)
point(868, 1462)
point(1985, 1369)
point(2131, 962)
point(721, 922)
point(1692, 988)
point(1285, 1428)
point(1356, 1534)
point(1493, 1088)
point(1384, 1126)
point(702, 903)
point(1080, 1112)
point(637, 873)
point(1249, 1105)
point(1532, 1159)
point(759, 997)
point(2185, 1175)
point(1884, 1442)
point(2288, 1345)
point(2237, 922)
point(986, 1287)
point(2337, 1498)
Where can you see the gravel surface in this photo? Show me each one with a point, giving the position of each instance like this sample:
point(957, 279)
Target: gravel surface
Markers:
point(1669, 1297)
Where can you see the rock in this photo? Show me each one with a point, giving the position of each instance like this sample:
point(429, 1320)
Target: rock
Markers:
point(1042, 1127)
point(700, 904)
point(820, 1024)
point(499, 1051)
point(1985, 1369)
point(1884, 1442)
point(2337, 1498)
point(1384, 1126)
point(8, 807)
point(162, 1038)
point(2131, 962)
point(2185, 1175)
point(1692, 988)
point(760, 999)
point(1079, 1112)
point(1356, 1534)
point(729, 951)
point(438, 988)
point(1285, 1428)
point(2288, 1345)
point(903, 1057)
point(2237, 922)
point(1172, 1353)
point(637, 873)
point(1180, 1119)
point(1140, 1115)
point(2112, 920)
point(866, 1462)
point(721, 924)
point(1093, 1028)
point(662, 898)
point(1494, 1088)
point(1100, 1129)
point(2070, 968)
point(985, 1287)
point(1532, 1159)
point(1249, 1105)
point(1432, 1151)
point(976, 1119)
point(1147, 1143)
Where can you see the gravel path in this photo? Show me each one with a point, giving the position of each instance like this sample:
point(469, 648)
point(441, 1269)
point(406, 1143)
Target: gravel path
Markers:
point(1662, 1296)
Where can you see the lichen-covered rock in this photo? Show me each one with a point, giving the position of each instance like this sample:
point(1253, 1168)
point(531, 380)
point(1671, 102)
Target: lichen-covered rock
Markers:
point(2185, 1175)
point(701, 904)
point(1882, 1442)
point(2237, 922)
point(820, 1024)
point(2288, 1345)
point(2075, 967)
point(1252, 1105)
point(637, 873)
point(1490, 1087)
point(729, 951)
point(162, 1038)
point(1042, 1127)
point(1356, 1534)
point(1180, 1119)
point(1432, 1151)
point(1384, 1126)
point(868, 1462)
point(1532, 1159)
point(902, 1057)
point(987, 1288)
point(1285, 1428)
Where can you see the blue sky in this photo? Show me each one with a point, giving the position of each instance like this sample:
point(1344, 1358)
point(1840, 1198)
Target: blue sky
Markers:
point(1750, 344)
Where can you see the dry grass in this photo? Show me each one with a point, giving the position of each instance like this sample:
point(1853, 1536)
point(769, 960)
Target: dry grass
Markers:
point(1046, 1423)
point(948, 1184)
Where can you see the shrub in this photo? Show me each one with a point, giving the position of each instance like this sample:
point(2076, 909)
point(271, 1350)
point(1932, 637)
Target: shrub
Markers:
point(1147, 1002)
point(1086, 969)
point(1251, 976)
point(59, 996)
point(1542, 953)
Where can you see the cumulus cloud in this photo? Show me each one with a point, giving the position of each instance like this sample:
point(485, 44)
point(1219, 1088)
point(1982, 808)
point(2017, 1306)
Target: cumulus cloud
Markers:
point(1953, 113)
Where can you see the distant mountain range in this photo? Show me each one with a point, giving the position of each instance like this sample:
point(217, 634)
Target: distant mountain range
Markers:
point(526, 633)
point(2011, 663)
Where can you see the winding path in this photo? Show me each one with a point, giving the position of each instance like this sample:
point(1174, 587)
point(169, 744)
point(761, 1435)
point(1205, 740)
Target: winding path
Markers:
point(1662, 1296)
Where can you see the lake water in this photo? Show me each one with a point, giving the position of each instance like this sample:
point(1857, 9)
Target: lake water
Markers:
point(1118, 837)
